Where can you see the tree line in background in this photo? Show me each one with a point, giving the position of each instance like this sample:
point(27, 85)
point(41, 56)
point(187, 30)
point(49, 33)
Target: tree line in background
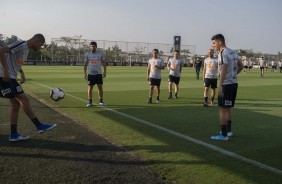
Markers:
point(72, 50)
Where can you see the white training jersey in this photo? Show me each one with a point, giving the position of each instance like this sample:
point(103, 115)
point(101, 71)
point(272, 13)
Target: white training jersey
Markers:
point(246, 63)
point(250, 63)
point(272, 63)
point(16, 58)
point(155, 72)
point(94, 61)
point(280, 64)
point(261, 63)
point(211, 66)
point(230, 58)
point(174, 66)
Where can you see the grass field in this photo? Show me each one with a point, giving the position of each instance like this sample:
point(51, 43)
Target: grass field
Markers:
point(257, 122)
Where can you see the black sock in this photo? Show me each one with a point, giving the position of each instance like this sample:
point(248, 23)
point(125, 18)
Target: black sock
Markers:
point(175, 94)
point(150, 98)
point(170, 93)
point(36, 122)
point(223, 130)
point(101, 101)
point(228, 126)
point(206, 99)
point(212, 99)
point(90, 100)
point(13, 128)
point(158, 98)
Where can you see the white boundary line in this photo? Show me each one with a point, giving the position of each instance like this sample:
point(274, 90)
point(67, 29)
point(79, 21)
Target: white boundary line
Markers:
point(185, 137)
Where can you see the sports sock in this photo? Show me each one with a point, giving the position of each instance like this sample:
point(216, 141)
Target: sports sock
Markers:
point(212, 99)
point(158, 98)
point(36, 122)
point(170, 93)
point(101, 101)
point(13, 128)
point(150, 98)
point(228, 126)
point(206, 99)
point(90, 100)
point(175, 95)
point(223, 130)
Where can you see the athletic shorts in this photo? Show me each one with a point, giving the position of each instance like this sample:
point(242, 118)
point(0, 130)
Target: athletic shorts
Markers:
point(250, 67)
point(155, 82)
point(280, 68)
point(173, 79)
point(95, 79)
point(210, 83)
point(10, 89)
point(262, 68)
point(245, 66)
point(230, 93)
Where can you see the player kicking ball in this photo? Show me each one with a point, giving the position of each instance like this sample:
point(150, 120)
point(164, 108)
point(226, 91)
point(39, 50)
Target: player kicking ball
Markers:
point(155, 65)
point(12, 59)
point(174, 67)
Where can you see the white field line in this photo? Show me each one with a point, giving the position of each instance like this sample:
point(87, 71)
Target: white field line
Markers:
point(185, 137)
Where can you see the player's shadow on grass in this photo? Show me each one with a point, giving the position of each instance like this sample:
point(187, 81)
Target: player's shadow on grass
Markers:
point(253, 133)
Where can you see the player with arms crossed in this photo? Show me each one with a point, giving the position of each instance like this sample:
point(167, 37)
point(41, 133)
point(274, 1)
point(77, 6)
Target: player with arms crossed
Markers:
point(230, 66)
point(93, 60)
point(174, 67)
point(155, 65)
point(210, 77)
point(12, 59)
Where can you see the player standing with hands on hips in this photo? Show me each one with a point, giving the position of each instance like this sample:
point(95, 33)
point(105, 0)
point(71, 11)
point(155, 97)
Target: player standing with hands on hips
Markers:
point(93, 60)
point(230, 66)
point(12, 59)
point(155, 65)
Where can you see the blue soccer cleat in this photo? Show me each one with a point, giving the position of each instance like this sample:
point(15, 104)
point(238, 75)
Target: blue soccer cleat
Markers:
point(219, 137)
point(45, 127)
point(89, 105)
point(17, 137)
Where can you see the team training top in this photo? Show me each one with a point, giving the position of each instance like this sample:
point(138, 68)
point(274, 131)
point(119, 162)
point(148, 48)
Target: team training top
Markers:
point(211, 65)
point(174, 66)
point(261, 62)
point(155, 72)
point(230, 58)
point(94, 61)
point(16, 58)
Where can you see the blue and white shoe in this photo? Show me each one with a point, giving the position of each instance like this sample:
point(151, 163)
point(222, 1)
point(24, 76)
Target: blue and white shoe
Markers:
point(17, 137)
point(229, 134)
point(102, 104)
point(219, 137)
point(89, 105)
point(45, 127)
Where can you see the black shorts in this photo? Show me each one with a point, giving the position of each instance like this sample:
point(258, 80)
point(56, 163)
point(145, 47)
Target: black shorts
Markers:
point(230, 93)
point(280, 68)
point(155, 82)
point(262, 68)
point(10, 89)
point(173, 79)
point(95, 79)
point(250, 67)
point(210, 83)
point(245, 66)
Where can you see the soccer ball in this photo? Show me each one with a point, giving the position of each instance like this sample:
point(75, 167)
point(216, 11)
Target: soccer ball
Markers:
point(57, 94)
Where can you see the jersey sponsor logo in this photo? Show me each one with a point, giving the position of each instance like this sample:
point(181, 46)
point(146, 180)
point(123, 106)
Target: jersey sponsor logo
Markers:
point(94, 62)
point(20, 62)
point(212, 67)
point(173, 66)
point(227, 102)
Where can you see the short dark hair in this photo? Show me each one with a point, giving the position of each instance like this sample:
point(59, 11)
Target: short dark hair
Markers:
point(93, 43)
point(219, 37)
point(176, 51)
point(39, 37)
point(156, 50)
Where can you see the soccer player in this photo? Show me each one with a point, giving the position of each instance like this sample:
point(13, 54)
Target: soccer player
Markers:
point(155, 65)
point(230, 66)
point(262, 65)
point(280, 66)
point(93, 61)
point(273, 64)
point(210, 77)
point(250, 64)
point(246, 64)
point(174, 66)
point(198, 66)
point(12, 59)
